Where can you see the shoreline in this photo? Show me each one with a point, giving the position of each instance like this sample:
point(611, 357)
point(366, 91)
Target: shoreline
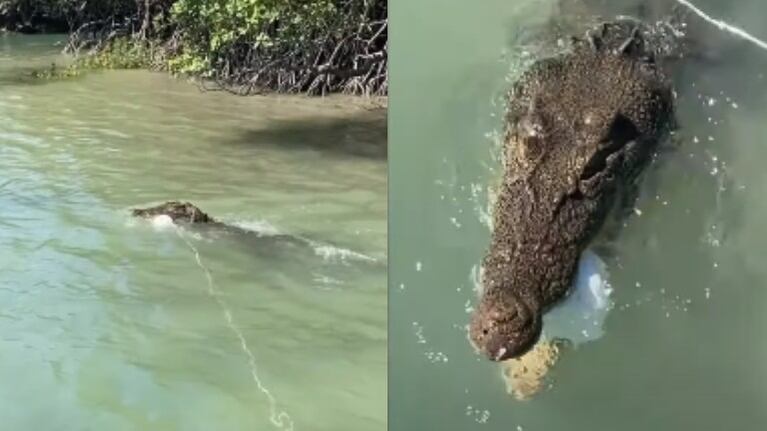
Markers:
point(251, 48)
point(66, 66)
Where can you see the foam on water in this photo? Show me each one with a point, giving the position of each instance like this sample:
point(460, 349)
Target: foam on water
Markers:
point(327, 252)
point(330, 253)
point(261, 227)
point(580, 318)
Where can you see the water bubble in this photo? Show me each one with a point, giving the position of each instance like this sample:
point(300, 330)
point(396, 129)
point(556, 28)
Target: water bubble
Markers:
point(455, 222)
point(420, 339)
point(436, 357)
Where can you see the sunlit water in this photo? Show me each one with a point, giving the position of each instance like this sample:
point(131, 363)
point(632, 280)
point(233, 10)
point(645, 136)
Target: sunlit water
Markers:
point(683, 346)
point(107, 323)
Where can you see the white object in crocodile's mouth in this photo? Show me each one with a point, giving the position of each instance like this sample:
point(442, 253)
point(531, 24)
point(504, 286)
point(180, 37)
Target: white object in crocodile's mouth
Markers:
point(581, 316)
point(162, 222)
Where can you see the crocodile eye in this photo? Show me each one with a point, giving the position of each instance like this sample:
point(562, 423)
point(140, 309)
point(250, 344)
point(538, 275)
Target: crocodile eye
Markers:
point(621, 130)
point(531, 138)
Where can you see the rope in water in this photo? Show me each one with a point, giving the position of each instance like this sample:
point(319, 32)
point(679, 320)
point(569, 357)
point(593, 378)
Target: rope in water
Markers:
point(279, 418)
point(721, 25)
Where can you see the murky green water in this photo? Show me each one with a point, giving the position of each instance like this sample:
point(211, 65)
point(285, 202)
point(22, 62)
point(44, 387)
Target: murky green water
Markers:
point(108, 324)
point(684, 345)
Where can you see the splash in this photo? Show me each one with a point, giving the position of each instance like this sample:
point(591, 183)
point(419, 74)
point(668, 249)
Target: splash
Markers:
point(327, 252)
point(721, 25)
point(580, 318)
point(261, 227)
point(331, 253)
point(279, 418)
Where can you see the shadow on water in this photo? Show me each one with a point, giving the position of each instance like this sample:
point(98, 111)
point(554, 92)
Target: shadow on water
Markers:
point(362, 135)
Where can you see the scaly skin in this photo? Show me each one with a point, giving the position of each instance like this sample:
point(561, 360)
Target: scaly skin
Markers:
point(184, 212)
point(580, 127)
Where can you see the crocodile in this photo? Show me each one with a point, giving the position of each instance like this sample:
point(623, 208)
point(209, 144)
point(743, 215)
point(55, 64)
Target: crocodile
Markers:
point(186, 214)
point(179, 212)
point(265, 245)
point(580, 128)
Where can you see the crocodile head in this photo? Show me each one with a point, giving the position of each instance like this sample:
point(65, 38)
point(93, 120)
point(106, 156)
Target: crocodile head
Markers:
point(184, 212)
point(578, 127)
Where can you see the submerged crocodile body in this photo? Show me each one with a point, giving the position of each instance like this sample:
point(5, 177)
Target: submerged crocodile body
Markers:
point(271, 245)
point(186, 213)
point(580, 127)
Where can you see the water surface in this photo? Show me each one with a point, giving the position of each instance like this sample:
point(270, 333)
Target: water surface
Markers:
point(108, 323)
point(683, 347)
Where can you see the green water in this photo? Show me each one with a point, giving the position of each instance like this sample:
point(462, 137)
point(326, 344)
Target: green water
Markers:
point(684, 345)
point(109, 324)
